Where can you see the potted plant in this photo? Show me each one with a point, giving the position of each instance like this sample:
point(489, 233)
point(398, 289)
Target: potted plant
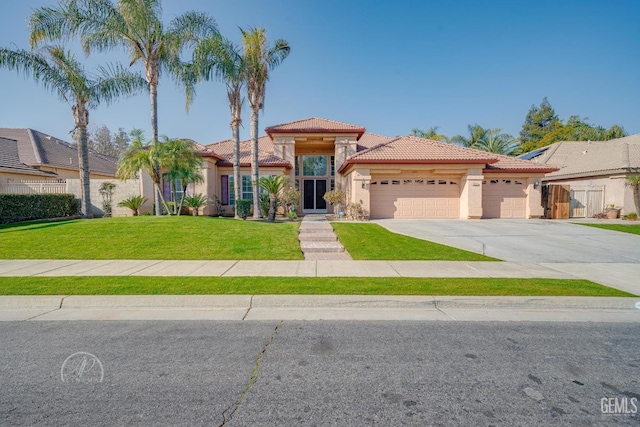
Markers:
point(195, 202)
point(612, 212)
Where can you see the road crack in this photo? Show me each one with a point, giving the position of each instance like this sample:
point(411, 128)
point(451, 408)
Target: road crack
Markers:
point(227, 414)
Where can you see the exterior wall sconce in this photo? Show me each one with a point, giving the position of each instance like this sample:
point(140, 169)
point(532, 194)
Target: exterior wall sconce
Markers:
point(365, 185)
point(536, 184)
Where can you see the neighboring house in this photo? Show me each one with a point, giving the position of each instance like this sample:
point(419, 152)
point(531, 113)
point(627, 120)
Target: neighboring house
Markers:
point(404, 177)
point(34, 162)
point(45, 153)
point(591, 175)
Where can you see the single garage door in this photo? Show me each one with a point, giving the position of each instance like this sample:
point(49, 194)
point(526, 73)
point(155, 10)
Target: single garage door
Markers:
point(397, 197)
point(503, 198)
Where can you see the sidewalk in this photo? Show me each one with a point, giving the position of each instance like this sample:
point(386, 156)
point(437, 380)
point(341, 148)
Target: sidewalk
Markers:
point(319, 307)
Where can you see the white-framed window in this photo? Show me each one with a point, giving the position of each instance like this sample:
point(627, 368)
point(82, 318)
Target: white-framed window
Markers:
point(246, 189)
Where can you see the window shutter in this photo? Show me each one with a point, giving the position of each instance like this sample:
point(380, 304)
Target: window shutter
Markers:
point(224, 186)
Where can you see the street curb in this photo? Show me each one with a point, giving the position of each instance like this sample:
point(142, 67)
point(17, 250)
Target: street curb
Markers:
point(320, 301)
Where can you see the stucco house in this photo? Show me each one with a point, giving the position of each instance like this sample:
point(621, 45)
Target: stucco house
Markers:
point(591, 175)
point(403, 177)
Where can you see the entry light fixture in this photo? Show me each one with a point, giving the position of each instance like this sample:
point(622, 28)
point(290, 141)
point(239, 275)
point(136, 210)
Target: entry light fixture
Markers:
point(536, 184)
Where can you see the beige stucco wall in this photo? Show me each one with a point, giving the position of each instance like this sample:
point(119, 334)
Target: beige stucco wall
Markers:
point(471, 194)
point(124, 189)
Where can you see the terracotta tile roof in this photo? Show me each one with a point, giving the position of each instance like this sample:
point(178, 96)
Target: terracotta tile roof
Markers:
point(588, 158)
point(224, 150)
point(415, 150)
point(39, 149)
point(369, 140)
point(10, 160)
point(315, 125)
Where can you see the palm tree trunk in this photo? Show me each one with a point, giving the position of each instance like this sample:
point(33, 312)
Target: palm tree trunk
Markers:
point(255, 171)
point(235, 128)
point(636, 198)
point(153, 99)
point(273, 199)
point(81, 117)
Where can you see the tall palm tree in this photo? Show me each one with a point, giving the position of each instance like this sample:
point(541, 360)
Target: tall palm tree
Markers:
point(59, 71)
point(217, 57)
point(135, 25)
point(259, 59)
point(431, 133)
point(634, 183)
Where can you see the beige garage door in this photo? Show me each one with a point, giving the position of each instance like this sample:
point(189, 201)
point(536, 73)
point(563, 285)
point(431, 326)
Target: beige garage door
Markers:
point(397, 197)
point(503, 198)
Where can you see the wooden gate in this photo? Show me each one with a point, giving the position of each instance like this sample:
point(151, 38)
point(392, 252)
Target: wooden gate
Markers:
point(557, 200)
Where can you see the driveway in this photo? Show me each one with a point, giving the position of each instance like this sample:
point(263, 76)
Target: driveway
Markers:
point(538, 241)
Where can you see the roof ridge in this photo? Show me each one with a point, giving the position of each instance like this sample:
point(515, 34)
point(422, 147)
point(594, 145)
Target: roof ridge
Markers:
point(36, 148)
point(367, 150)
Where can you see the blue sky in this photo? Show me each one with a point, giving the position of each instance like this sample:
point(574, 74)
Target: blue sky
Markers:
point(388, 66)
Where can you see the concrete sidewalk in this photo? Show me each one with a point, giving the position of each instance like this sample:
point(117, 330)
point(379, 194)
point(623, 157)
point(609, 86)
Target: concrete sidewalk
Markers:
point(319, 307)
point(623, 276)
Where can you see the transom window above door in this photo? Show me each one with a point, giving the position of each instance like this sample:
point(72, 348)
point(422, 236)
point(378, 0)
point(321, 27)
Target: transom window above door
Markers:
point(314, 166)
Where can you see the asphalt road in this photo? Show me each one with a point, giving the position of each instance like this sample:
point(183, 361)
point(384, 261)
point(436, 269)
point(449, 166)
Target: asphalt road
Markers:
point(317, 373)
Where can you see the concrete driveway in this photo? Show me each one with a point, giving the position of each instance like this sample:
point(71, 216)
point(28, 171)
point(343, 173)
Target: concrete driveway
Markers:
point(538, 241)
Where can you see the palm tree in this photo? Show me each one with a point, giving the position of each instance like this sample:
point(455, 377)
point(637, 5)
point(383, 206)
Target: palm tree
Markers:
point(273, 185)
point(143, 158)
point(259, 58)
point(61, 73)
point(183, 163)
point(634, 183)
point(498, 143)
point(431, 133)
point(216, 57)
point(476, 134)
point(134, 25)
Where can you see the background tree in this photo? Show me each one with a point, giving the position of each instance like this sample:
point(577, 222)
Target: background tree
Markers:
point(121, 141)
point(102, 141)
point(476, 134)
point(499, 143)
point(61, 73)
point(577, 129)
point(538, 122)
point(431, 133)
point(134, 25)
point(217, 57)
point(259, 58)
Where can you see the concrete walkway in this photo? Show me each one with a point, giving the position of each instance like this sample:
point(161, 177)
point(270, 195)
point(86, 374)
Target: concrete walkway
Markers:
point(318, 241)
point(319, 307)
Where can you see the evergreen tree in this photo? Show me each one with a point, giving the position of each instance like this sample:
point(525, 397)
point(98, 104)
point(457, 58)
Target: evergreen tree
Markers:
point(538, 122)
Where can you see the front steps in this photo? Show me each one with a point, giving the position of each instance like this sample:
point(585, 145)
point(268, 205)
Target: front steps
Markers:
point(318, 241)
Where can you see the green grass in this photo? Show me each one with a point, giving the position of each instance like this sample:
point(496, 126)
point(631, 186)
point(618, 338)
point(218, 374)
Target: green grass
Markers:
point(301, 286)
point(631, 228)
point(373, 242)
point(145, 237)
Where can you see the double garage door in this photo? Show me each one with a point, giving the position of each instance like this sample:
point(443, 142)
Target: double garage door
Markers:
point(428, 197)
point(503, 198)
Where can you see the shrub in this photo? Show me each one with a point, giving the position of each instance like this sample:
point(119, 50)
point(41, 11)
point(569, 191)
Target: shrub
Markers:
point(265, 203)
point(631, 215)
point(355, 210)
point(290, 198)
point(243, 208)
point(25, 207)
point(134, 203)
point(196, 201)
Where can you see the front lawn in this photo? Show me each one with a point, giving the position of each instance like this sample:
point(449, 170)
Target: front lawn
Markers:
point(631, 228)
point(301, 286)
point(148, 237)
point(371, 241)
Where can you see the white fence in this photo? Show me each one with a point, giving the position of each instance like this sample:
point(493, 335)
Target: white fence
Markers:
point(33, 186)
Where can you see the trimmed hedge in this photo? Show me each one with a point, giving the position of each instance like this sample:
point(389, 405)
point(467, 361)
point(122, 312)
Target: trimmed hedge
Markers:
point(25, 207)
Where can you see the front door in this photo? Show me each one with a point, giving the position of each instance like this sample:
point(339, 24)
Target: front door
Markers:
point(313, 190)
